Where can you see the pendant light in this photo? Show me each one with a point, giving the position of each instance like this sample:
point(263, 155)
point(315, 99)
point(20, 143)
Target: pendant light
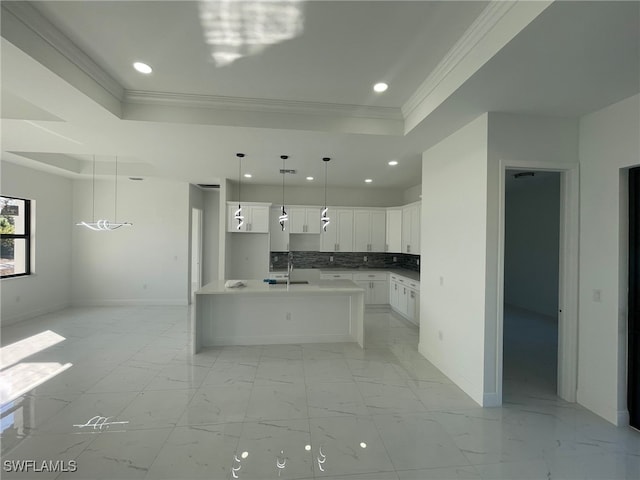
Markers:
point(104, 225)
point(238, 215)
point(283, 215)
point(324, 218)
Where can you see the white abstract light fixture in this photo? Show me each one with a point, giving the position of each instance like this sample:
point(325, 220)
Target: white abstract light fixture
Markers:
point(234, 29)
point(283, 215)
point(104, 225)
point(238, 215)
point(324, 218)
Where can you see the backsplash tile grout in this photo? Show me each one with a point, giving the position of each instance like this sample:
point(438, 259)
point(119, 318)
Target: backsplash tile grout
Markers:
point(306, 259)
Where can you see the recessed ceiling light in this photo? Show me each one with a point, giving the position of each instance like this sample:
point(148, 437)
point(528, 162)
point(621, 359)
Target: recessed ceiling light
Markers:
point(309, 178)
point(368, 180)
point(380, 87)
point(247, 175)
point(142, 68)
point(393, 163)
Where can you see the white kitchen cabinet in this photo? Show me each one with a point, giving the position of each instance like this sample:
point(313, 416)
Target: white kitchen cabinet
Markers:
point(339, 234)
point(393, 230)
point(404, 297)
point(256, 218)
point(304, 220)
point(375, 285)
point(411, 229)
point(336, 276)
point(278, 239)
point(369, 230)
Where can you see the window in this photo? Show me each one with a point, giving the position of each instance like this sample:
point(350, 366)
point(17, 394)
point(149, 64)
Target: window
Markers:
point(15, 237)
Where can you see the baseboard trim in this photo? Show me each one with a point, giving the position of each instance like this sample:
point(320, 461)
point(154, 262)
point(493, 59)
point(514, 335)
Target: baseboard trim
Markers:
point(130, 303)
point(491, 400)
point(10, 320)
point(623, 418)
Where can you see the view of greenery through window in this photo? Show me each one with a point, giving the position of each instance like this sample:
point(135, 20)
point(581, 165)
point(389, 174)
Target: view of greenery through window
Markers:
point(14, 236)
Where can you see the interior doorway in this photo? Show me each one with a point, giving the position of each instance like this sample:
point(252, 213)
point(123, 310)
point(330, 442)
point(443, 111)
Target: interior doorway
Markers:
point(633, 331)
point(532, 231)
point(196, 252)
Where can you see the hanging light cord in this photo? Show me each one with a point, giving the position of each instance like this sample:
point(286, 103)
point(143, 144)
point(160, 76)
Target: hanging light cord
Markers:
point(93, 187)
point(115, 204)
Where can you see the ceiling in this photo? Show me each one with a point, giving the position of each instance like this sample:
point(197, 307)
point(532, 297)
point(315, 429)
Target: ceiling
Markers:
point(301, 84)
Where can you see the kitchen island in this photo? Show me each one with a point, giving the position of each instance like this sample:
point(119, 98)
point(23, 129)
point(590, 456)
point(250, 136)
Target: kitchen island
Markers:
point(263, 314)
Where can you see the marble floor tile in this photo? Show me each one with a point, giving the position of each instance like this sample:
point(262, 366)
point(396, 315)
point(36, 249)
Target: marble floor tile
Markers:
point(229, 373)
point(279, 402)
point(119, 455)
point(217, 404)
point(335, 399)
point(275, 450)
point(418, 442)
point(349, 445)
point(187, 414)
point(197, 452)
point(157, 408)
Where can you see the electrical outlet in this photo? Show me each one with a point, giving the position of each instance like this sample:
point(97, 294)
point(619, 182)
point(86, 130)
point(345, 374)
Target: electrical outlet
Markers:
point(288, 316)
point(418, 261)
point(331, 258)
point(275, 259)
point(17, 298)
point(144, 286)
point(441, 281)
point(597, 295)
point(395, 259)
point(365, 258)
point(440, 335)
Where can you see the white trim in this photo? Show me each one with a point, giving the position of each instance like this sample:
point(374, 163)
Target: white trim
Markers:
point(568, 276)
point(9, 320)
point(259, 105)
point(280, 340)
point(482, 25)
point(491, 400)
point(29, 16)
point(137, 302)
point(623, 418)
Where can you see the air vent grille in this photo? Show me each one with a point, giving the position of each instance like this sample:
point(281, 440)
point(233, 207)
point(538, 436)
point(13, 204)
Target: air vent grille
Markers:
point(209, 185)
point(288, 170)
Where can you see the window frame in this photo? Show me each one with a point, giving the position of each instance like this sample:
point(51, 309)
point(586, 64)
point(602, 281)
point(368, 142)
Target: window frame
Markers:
point(26, 236)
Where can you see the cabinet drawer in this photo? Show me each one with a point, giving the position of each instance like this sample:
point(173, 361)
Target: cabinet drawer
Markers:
point(336, 276)
point(413, 284)
point(370, 276)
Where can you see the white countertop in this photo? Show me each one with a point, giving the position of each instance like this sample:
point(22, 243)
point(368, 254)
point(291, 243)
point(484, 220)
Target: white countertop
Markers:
point(258, 287)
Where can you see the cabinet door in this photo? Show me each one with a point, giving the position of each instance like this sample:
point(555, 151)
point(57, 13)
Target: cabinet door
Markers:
point(329, 238)
point(279, 240)
point(361, 231)
point(344, 230)
point(367, 290)
point(297, 220)
point(313, 220)
point(378, 231)
point(406, 229)
point(412, 314)
point(379, 292)
point(394, 295)
point(403, 301)
point(258, 219)
point(394, 230)
point(415, 230)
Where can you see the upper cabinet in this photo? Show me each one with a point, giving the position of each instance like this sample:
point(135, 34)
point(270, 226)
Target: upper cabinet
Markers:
point(256, 218)
point(411, 228)
point(369, 230)
point(339, 234)
point(394, 230)
point(304, 220)
point(278, 239)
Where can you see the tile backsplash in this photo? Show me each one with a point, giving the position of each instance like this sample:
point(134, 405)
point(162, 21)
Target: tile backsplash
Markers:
point(278, 260)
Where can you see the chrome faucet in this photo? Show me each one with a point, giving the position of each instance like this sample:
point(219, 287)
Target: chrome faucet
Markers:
point(289, 267)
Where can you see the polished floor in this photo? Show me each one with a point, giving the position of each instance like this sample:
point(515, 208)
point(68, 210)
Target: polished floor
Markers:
point(129, 401)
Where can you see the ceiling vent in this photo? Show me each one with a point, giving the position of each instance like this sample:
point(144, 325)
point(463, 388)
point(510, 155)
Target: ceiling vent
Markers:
point(288, 170)
point(209, 185)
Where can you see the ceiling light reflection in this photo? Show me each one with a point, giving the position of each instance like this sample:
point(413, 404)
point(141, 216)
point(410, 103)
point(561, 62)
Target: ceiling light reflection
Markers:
point(234, 29)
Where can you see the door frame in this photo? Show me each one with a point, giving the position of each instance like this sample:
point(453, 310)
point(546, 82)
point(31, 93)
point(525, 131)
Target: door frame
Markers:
point(196, 251)
point(567, 276)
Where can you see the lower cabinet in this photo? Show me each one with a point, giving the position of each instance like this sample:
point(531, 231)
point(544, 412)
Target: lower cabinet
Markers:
point(404, 297)
point(375, 285)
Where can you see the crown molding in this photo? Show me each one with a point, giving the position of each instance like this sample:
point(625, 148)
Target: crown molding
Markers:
point(482, 25)
point(31, 18)
point(262, 105)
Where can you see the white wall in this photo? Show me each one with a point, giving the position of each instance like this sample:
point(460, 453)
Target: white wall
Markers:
point(147, 263)
point(609, 143)
point(453, 250)
point(532, 241)
point(49, 288)
point(351, 197)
